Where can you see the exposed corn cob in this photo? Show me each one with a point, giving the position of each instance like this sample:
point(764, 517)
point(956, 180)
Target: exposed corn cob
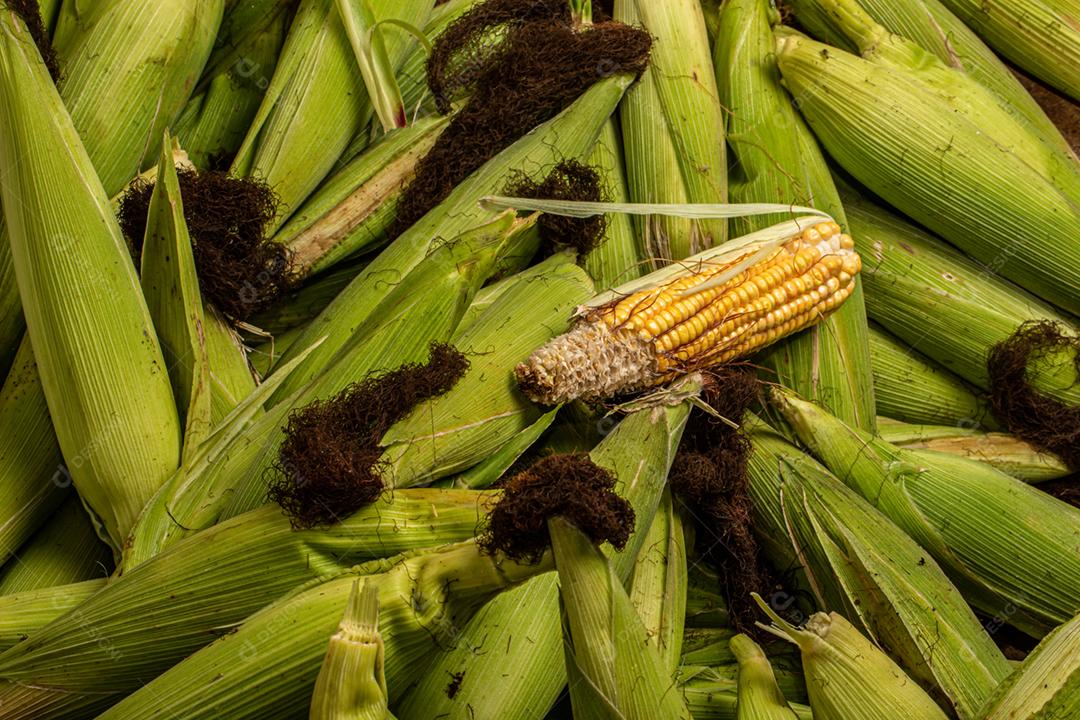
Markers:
point(352, 682)
point(170, 606)
point(911, 387)
point(520, 628)
point(935, 144)
point(66, 550)
point(1007, 453)
point(712, 692)
point(857, 561)
point(1041, 36)
point(24, 613)
point(568, 135)
point(673, 129)
point(424, 599)
point(946, 306)
point(1012, 549)
point(760, 697)
point(721, 305)
point(847, 676)
point(779, 161)
point(1047, 684)
point(33, 478)
point(103, 374)
point(930, 24)
point(614, 669)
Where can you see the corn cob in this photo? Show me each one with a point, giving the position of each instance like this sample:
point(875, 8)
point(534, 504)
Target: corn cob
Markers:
point(857, 561)
point(103, 375)
point(919, 119)
point(1047, 684)
point(1040, 36)
point(719, 306)
point(568, 135)
point(712, 693)
point(911, 387)
point(613, 667)
point(760, 697)
point(1027, 571)
point(930, 24)
point(673, 128)
point(33, 478)
point(66, 550)
point(352, 682)
point(847, 676)
point(22, 614)
point(521, 627)
point(962, 309)
point(211, 581)
point(1005, 452)
point(424, 598)
point(779, 161)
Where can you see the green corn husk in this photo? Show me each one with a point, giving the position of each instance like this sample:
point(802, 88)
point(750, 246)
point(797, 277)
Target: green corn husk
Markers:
point(352, 682)
point(424, 599)
point(712, 693)
point(706, 607)
point(264, 357)
point(519, 631)
point(614, 669)
point(425, 307)
point(760, 697)
point(854, 559)
point(937, 145)
point(1013, 550)
point(673, 128)
point(298, 307)
point(1005, 452)
point(33, 478)
point(490, 470)
point(243, 22)
point(369, 50)
point(1047, 684)
point(66, 550)
point(12, 325)
point(24, 613)
point(351, 211)
point(658, 584)
point(103, 374)
point(213, 124)
point(316, 101)
point(492, 292)
point(847, 676)
point(171, 605)
point(569, 135)
point(779, 161)
point(947, 306)
point(930, 24)
point(911, 387)
point(707, 646)
point(1040, 36)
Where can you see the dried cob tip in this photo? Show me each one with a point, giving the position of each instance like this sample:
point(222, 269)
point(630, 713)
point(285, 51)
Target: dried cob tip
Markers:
point(708, 312)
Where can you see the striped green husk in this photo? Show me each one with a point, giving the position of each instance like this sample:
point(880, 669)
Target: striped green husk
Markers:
point(712, 692)
point(936, 145)
point(779, 161)
point(295, 308)
point(103, 373)
point(1013, 550)
point(930, 24)
point(22, 614)
point(424, 599)
point(66, 550)
point(706, 607)
point(520, 629)
point(861, 565)
point(12, 325)
point(1047, 684)
point(946, 306)
point(1040, 36)
point(242, 24)
point(569, 135)
point(613, 668)
point(160, 612)
point(911, 387)
point(707, 646)
point(303, 125)
point(1007, 453)
point(673, 128)
point(760, 698)
point(33, 478)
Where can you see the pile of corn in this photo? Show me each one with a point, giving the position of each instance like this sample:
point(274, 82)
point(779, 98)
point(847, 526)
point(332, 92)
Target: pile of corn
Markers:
point(866, 204)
